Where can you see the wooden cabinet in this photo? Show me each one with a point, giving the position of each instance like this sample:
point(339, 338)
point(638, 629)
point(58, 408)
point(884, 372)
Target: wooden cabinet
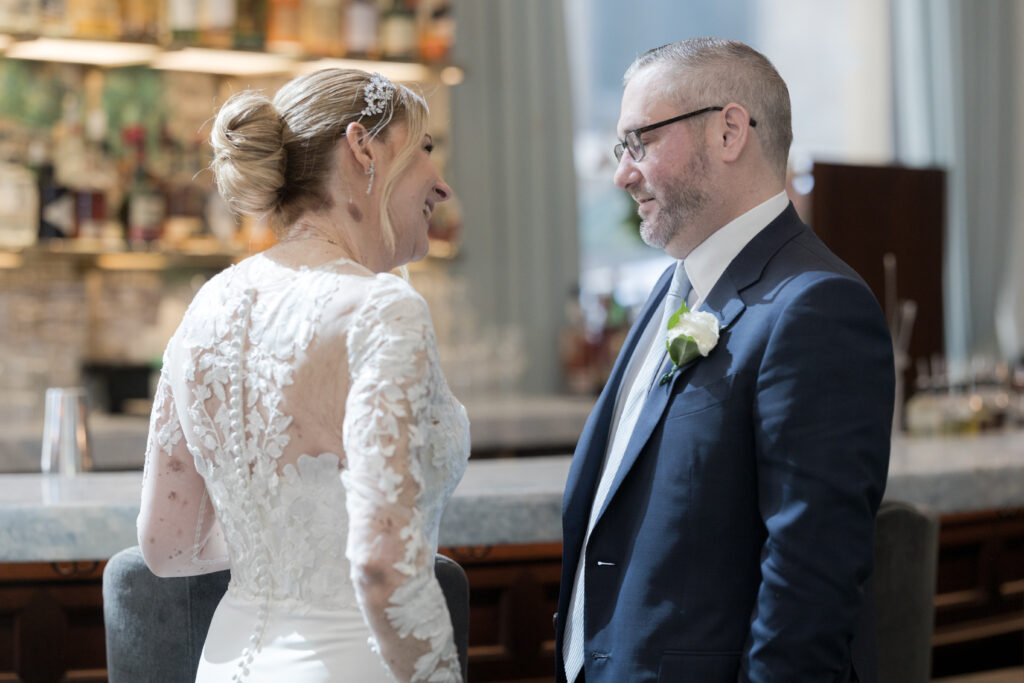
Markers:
point(51, 622)
point(51, 614)
point(513, 594)
point(865, 212)
point(979, 602)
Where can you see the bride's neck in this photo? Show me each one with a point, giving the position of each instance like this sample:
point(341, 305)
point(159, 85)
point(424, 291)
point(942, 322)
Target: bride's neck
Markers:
point(340, 236)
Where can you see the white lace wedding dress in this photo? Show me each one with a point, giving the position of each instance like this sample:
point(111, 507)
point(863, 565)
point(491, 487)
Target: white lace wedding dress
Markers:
point(311, 403)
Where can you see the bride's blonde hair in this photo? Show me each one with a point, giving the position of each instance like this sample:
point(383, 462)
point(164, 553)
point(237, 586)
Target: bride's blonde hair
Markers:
point(272, 157)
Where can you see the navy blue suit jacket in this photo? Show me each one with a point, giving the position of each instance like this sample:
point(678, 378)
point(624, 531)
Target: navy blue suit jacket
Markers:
point(736, 541)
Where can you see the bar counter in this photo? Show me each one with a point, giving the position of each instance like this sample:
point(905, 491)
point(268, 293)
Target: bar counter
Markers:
point(499, 425)
point(501, 501)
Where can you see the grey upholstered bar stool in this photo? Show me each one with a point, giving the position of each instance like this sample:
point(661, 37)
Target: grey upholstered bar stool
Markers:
point(156, 627)
point(906, 559)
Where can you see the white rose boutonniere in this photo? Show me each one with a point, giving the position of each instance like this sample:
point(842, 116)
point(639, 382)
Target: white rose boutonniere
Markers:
point(689, 334)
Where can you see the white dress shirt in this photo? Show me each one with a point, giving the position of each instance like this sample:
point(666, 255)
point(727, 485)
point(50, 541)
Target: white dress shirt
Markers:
point(709, 259)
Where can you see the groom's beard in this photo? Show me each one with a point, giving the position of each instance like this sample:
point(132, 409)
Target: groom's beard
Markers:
point(680, 203)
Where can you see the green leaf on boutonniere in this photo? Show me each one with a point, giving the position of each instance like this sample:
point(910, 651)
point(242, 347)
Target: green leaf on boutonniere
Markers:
point(673, 319)
point(682, 350)
point(688, 336)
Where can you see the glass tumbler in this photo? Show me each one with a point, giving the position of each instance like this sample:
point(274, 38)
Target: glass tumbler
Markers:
point(65, 433)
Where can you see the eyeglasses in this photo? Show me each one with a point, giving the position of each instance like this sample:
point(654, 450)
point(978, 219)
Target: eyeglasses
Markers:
point(635, 145)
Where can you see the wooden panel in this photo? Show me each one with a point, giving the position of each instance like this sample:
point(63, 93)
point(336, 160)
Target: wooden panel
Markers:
point(979, 602)
point(864, 212)
point(51, 615)
point(513, 593)
point(51, 630)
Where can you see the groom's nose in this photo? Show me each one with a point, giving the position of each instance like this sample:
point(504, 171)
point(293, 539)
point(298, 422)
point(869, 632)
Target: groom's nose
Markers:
point(627, 173)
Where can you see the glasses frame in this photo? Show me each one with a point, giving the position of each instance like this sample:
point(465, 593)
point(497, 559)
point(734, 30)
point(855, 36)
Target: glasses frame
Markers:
point(633, 139)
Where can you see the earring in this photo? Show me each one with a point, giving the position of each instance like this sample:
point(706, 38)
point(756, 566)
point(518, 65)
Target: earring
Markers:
point(369, 172)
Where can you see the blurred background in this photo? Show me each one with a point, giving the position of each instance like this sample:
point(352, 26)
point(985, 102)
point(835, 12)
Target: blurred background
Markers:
point(907, 159)
point(906, 143)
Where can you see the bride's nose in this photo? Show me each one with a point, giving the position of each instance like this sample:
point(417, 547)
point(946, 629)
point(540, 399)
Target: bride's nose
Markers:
point(442, 191)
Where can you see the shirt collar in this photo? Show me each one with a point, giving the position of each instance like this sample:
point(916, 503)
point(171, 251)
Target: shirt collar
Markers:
point(709, 259)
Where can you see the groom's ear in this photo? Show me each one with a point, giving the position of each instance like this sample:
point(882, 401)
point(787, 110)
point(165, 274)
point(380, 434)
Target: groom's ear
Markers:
point(358, 140)
point(734, 131)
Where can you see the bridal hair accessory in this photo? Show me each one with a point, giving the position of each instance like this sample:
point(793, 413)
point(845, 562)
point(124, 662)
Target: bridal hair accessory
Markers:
point(377, 94)
point(369, 172)
point(690, 334)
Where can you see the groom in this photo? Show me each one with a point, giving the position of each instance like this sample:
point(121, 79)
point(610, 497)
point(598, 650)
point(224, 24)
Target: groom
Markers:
point(718, 515)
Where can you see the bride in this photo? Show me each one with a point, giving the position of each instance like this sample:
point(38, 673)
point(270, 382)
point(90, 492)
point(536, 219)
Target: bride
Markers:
point(302, 433)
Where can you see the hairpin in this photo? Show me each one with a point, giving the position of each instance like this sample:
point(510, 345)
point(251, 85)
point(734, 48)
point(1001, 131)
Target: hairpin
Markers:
point(377, 94)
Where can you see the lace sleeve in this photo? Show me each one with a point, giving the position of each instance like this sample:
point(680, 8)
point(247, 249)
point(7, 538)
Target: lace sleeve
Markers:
point(391, 558)
point(177, 529)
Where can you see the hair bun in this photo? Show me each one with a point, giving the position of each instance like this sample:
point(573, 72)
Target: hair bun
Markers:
point(248, 153)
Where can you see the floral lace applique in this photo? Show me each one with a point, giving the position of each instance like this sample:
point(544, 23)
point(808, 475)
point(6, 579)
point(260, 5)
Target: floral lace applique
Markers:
point(398, 407)
point(299, 528)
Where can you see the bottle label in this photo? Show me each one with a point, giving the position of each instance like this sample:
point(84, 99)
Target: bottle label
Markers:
point(361, 33)
point(145, 216)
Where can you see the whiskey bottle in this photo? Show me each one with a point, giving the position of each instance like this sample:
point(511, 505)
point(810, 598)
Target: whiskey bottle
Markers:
point(250, 23)
point(283, 35)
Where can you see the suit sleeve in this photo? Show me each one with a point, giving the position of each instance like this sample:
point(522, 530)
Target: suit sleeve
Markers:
point(823, 413)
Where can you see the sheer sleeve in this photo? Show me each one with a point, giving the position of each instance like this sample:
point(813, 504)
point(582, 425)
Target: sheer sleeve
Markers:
point(386, 417)
point(177, 528)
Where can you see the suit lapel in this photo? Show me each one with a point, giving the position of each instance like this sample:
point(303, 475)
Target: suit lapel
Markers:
point(726, 304)
point(593, 443)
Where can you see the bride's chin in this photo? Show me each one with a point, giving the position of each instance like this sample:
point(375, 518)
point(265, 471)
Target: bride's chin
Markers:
point(418, 250)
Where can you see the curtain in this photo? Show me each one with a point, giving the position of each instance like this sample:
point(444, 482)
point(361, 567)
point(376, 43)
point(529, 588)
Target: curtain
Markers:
point(512, 169)
point(1010, 305)
point(955, 76)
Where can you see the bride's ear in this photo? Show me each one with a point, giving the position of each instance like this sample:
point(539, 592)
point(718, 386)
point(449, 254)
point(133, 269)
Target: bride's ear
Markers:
point(358, 140)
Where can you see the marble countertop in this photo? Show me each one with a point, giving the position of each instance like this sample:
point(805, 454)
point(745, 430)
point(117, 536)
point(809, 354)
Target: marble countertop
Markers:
point(92, 516)
point(499, 423)
point(958, 473)
point(499, 501)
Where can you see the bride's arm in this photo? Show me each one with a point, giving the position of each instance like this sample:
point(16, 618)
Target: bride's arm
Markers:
point(177, 529)
point(392, 561)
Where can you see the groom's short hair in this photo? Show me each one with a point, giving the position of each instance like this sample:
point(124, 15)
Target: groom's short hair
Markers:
point(713, 72)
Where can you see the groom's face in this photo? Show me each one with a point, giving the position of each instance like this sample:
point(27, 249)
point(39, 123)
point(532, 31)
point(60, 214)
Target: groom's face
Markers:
point(670, 182)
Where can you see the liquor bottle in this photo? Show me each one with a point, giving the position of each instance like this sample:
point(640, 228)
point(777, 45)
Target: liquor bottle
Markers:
point(361, 29)
point(397, 30)
point(184, 196)
point(19, 203)
point(183, 22)
point(436, 30)
point(323, 27)
point(98, 19)
point(144, 204)
point(70, 159)
point(250, 23)
point(283, 18)
point(217, 23)
point(53, 19)
point(20, 16)
point(96, 179)
point(85, 167)
point(56, 205)
point(140, 20)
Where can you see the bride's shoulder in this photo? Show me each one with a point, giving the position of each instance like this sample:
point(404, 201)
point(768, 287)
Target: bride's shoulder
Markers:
point(387, 292)
point(390, 303)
